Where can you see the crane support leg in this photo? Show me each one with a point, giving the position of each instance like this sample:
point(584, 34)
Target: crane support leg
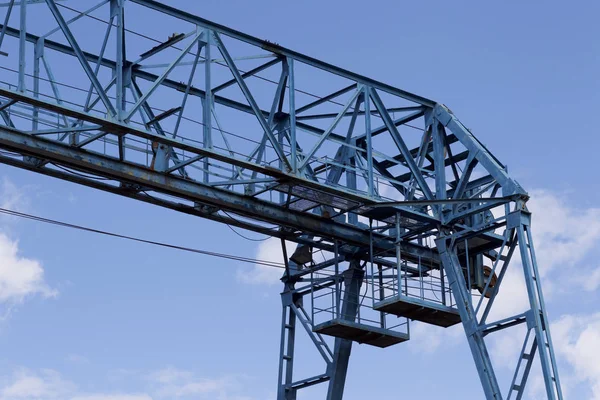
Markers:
point(469, 319)
point(339, 367)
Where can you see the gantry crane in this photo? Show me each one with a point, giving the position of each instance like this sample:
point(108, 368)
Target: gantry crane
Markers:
point(415, 219)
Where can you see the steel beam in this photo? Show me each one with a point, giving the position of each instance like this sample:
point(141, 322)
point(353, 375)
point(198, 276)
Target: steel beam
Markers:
point(483, 155)
point(185, 16)
point(14, 140)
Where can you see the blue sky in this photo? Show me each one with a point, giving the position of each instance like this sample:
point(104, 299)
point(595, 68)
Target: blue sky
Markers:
point(98, 318)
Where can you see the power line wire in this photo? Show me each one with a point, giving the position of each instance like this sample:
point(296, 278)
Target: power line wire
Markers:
point(70, 171)
point(239, 234)
point(266, 263)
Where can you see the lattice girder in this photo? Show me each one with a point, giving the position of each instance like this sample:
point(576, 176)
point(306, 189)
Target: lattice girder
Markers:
point(218, 124)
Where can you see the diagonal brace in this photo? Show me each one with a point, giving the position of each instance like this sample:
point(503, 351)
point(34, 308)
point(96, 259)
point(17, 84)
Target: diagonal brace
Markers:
point(257, 111)
point(80, 56)
point(410, 161)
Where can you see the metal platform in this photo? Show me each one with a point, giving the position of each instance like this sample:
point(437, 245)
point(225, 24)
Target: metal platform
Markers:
point(419, 310)
point(482, 242)
point(361, 333)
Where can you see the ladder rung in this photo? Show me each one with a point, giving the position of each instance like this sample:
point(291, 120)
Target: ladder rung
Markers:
point(288, 326)
point(526, 356)
point(287, 358)
point(516, 387)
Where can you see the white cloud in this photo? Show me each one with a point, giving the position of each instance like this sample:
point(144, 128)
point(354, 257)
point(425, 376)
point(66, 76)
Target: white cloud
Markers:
point(563, 234)
point(577, 341)
point(426, 339)
point(172, 383)
point(504, 346)
point(26, 385)
point(196, 388)
point(48, 384)
point(20, 276)
point(512, 297)
point(269, 250)
point(589, 279)
point(12, 196)
point(565, 237)
point(169, 383)
point(113, 397)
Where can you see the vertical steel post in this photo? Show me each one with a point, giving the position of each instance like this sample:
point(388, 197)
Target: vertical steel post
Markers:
point(38, 53)
point(207, 106)
point(208, 102)
point(398, 255)
point(22, 46)
point(292, 112)
point(118, 13)
point(286, 349)
point(351, 182)
point(338, 284)
point(439, 158)
point(338, 369)
point(368, 141)
point(280, 128)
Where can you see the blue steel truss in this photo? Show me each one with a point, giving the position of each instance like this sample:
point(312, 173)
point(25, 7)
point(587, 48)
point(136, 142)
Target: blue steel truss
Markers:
point(390, 186)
